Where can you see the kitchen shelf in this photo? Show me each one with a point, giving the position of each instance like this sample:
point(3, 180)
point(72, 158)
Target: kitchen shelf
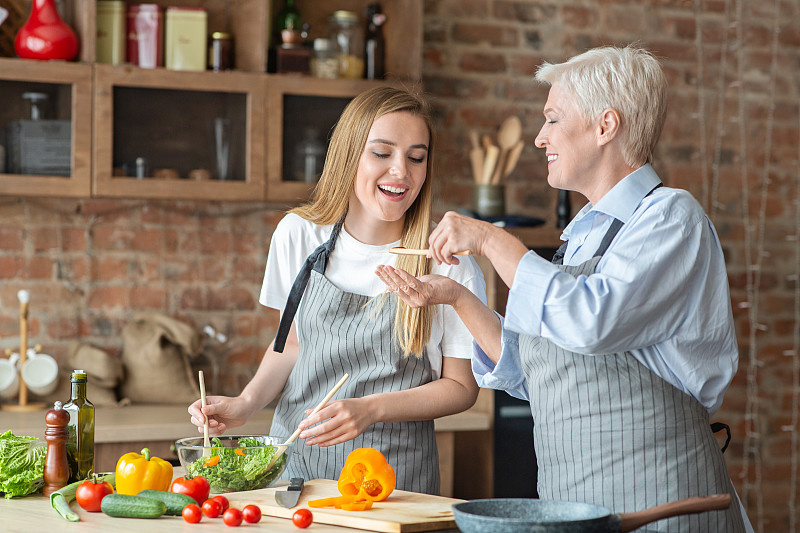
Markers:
point(167, 117)
point(295, 105)
point(268, 110)
point(69, 87)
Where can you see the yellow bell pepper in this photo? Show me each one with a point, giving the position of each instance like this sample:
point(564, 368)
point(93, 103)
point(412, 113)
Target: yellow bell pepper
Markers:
point(136, 473)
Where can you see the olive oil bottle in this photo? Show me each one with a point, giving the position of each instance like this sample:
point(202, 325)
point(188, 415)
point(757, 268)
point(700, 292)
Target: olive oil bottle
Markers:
point(80, 446)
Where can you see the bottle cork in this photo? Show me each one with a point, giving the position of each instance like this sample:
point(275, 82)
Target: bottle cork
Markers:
point(56, 467)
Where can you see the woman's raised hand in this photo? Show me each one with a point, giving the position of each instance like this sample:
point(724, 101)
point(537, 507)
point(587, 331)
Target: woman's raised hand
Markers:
point(419, 292)
point(455, 233)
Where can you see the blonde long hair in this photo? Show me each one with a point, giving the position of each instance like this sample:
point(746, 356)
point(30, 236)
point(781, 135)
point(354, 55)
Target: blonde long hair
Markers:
point(332, 195)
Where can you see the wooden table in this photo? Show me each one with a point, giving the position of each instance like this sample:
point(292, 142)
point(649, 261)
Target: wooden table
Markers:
point(119, 430)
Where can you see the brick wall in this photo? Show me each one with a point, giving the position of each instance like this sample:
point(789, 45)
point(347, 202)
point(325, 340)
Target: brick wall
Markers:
point(91, 264)
point(731, 139)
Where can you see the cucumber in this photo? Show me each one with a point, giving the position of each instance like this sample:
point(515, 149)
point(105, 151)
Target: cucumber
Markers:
point(175, 502)
point(127, 506)
point(61, 498)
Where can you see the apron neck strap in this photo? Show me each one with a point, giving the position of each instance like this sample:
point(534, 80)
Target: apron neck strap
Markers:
point(318, 260)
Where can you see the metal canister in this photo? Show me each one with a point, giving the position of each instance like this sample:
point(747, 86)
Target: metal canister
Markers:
point(220, 51)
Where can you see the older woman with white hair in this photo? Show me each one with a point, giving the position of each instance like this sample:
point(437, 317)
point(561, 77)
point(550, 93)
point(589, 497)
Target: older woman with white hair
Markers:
point(624, 344)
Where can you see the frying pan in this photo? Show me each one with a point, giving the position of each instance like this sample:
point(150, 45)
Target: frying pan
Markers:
point(526, 515)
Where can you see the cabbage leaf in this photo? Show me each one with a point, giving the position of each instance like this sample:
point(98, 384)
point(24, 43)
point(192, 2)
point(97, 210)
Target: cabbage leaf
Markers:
point(21, 464)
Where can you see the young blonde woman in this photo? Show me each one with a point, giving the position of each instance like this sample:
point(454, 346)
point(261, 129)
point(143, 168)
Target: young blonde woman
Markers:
point(407, 366)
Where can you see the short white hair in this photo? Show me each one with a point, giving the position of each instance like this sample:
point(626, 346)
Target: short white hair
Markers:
point(629, 80)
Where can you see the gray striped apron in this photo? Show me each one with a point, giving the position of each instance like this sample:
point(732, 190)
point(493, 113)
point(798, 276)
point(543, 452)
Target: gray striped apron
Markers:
point(608, 431)
point(339, 335)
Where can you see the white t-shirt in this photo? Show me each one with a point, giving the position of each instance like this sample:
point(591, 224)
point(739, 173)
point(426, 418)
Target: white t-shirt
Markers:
point(351, 268)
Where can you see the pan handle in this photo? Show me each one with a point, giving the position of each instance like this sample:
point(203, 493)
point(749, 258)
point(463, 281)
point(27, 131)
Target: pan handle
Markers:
point(715, 502)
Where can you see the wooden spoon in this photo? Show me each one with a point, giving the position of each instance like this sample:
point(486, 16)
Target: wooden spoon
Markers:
point(512, 159)
point(508, 136)
point(206, 440)
point(326, 399)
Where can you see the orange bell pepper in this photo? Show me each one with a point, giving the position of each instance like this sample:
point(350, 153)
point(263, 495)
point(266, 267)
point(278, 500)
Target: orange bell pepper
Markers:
point(135, 473)
point(367, 475)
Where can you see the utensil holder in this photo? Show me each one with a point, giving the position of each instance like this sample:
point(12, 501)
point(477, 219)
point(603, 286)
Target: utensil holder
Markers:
point(489, 200)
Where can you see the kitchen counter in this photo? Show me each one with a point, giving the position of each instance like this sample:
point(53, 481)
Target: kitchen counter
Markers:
point(119, 430)
point(33, 514)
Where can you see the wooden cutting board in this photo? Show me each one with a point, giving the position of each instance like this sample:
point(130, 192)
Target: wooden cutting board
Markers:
point(399, 513)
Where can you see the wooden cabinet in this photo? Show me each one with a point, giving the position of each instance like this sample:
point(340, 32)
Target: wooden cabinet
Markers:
point(165, 125)
point(68, 89)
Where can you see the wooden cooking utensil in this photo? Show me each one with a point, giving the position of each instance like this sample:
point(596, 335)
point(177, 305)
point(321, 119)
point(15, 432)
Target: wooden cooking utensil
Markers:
point(489, 163)
point(420, 251)
point(293, 437)
point(512, 159)
point(206, 440)
point(508, 135)
point(476, 156)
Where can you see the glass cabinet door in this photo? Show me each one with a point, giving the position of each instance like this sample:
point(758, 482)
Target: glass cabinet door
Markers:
point(301, 120)
point(165, 134)
point(45, 124)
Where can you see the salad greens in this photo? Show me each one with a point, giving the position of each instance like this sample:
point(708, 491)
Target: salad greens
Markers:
point(237, 469)
point(21, 464)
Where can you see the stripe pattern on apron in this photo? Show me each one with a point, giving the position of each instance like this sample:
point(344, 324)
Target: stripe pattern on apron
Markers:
point(610, 432)
point(337, 335)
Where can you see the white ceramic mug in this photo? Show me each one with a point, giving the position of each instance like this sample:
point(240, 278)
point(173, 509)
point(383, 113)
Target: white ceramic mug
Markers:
point(9, 377)
point(40, 373)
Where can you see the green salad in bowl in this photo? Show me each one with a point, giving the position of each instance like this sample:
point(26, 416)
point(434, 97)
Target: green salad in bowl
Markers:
point(234, 463)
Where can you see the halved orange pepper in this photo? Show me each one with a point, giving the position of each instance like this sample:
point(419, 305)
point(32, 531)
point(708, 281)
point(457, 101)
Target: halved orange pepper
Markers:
point(367, 474)
point(240, 451)
point(212, 461)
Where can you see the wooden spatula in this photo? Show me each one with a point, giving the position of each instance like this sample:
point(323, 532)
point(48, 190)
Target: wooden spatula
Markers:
point(419, 251)
point(282, 448)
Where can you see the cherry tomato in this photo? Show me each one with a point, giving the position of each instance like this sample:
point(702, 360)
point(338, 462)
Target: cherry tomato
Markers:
point(196, 487)
point(302, 518)
point(251, 514)
point(192, 513)
point(223, 501)
point(232, 517)
point(91, 492)
point(212, 508)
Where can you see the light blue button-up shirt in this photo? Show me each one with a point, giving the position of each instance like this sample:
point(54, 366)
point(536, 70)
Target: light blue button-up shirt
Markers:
point(659, 292)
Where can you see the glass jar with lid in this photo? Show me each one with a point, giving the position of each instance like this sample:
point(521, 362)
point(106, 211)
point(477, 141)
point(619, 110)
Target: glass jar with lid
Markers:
point(348, 34)
point(325, 61)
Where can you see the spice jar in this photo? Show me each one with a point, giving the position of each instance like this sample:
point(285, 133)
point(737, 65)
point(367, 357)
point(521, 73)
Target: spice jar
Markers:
point(220, 51)
point(325, 62)
point(349, 36)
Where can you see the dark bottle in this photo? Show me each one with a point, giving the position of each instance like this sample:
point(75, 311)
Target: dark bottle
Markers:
point(80, 446)
point(374, 45)
point(563, 209)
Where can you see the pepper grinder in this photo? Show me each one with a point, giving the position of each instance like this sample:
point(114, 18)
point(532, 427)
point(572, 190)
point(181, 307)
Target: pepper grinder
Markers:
point(56, 467)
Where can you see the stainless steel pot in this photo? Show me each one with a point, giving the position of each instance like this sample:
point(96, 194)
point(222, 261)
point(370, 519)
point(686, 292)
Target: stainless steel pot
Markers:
point(526, 515)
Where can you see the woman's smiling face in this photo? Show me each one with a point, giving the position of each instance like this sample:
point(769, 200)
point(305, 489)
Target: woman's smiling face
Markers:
point(569, 142)
point(391, 172)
